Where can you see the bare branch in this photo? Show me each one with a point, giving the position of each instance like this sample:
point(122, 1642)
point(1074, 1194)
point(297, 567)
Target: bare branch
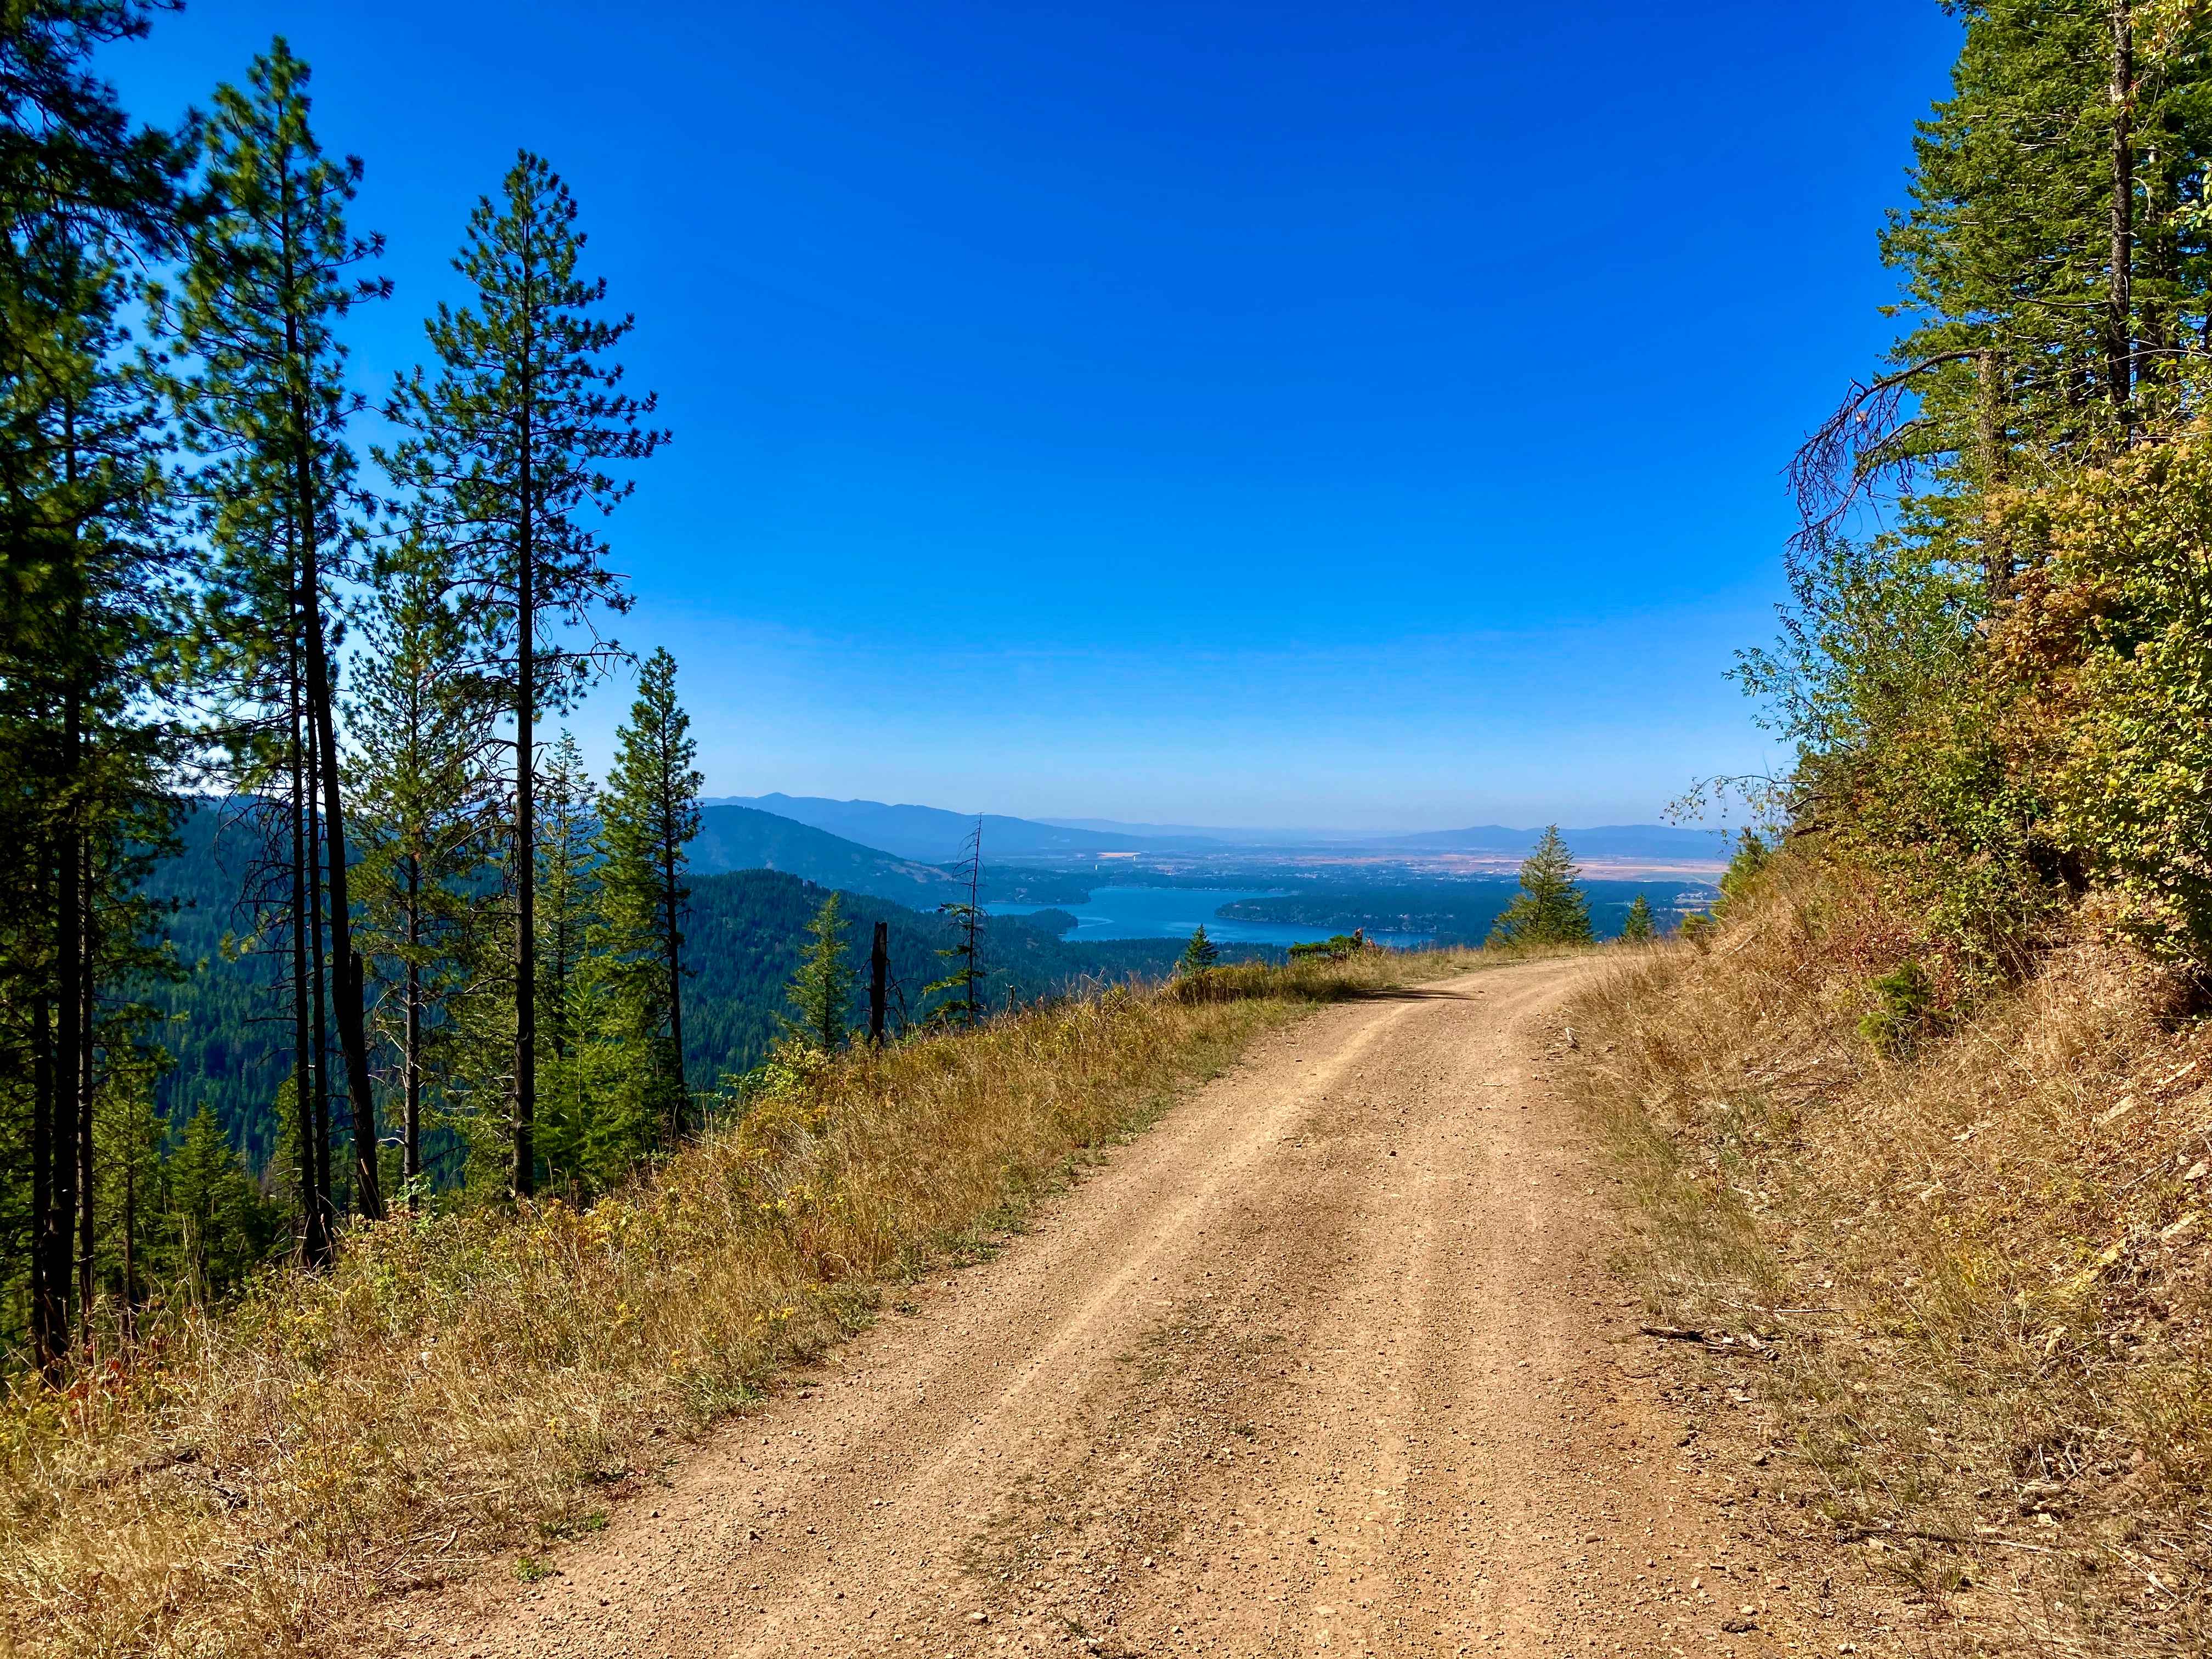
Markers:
point(1855, 446)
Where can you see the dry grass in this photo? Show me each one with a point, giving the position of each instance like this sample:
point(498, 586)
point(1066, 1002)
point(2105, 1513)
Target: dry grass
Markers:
point(460, 1385)
point(1981, 1270)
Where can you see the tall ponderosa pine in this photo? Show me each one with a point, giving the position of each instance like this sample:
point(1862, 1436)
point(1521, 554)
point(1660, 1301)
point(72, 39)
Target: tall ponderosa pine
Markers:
point(650, 809)
point(83, 562)
point(261, 299)
point(1550, 908)
point(507, 447)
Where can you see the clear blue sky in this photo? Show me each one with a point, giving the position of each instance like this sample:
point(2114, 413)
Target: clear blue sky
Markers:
point(1363, 415)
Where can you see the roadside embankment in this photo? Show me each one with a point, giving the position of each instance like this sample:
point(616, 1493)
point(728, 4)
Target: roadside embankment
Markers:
point(1961, 1260)
point(463, 1384)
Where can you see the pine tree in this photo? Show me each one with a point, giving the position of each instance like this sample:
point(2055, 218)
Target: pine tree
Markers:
point(84, 562)
point(571, 1010)
point(1637, 928)
point(221, 1225)
point(965, 982)
point(821, 992)
point(1201, 954)
point(2055, 264)
point(650, 811)
point(421, 777)
point(131, 1136)
point(1550, 908)
point(506, 452)
point(263, 294)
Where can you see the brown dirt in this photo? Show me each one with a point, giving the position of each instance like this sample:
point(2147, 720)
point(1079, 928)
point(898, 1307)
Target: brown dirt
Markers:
point(1330, 1361)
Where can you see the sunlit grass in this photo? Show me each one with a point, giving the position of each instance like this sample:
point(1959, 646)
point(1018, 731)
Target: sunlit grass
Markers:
point(1976, 1263)
point(462, 1386)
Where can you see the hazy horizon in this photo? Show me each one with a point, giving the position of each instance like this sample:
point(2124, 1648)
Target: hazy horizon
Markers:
point(1208, 417)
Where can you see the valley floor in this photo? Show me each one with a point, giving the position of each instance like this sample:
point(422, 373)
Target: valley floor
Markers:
point(1330, 1361)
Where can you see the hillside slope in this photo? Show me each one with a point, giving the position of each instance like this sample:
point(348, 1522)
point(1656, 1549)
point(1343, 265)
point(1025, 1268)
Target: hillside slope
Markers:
point(734, 837)
point(1968, 1235)
point(224, 1026)
point(748, 929)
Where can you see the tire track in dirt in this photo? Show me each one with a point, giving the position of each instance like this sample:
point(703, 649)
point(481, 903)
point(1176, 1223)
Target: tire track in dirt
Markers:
point(1328, 1362)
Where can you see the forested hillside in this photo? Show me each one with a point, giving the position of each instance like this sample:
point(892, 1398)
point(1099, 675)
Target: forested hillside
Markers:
point(740, 838)
point(226, 1026)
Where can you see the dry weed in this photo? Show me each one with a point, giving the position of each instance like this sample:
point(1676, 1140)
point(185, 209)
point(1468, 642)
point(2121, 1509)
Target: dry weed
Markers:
point(460, 1384)
point(1983, 1267)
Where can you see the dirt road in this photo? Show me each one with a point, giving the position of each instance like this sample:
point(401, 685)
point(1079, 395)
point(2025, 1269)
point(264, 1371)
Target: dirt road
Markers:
point(1328, 1362)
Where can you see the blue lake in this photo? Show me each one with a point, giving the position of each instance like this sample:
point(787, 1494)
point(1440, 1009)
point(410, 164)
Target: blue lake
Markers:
point(1173, 912)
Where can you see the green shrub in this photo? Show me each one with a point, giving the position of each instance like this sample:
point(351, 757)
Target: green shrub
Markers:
point(1904, 1011)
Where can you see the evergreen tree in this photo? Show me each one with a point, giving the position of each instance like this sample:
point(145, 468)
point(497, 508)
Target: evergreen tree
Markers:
point(1550, 908)
point(1637, 928)
point(261, 299)
point(1201, 954)
point(573, 1013)
point(965, 982)
point(421, 777)
point(85, 562)
point(132, 1135)
point(821, 991)
point(651, 812)
point(505, 451)
point(2055, 263)
point(223, 1227)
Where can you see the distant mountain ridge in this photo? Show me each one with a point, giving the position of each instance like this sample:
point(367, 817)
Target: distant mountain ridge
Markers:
point(933, 836)
point(930, 833)
point(734, 838)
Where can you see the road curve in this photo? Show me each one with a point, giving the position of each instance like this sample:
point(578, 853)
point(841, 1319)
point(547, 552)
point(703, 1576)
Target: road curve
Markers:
point(1328, 1362)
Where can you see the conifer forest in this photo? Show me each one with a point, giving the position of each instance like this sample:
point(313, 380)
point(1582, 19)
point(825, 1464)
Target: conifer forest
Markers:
point(227, 619)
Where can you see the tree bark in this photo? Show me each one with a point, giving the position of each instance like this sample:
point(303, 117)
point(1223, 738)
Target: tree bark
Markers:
point(318, 1017)
point(1989, 436)
point(129, 1313)
point(74, 1112)
point(523, 1178)
point(2119, 336)
point(410, 1155)
point(670, 853)
point(346, 982)
point(49, 1216)
point(79, 1002)
point(879, 970)
point(346, 987)
point(314, 1213)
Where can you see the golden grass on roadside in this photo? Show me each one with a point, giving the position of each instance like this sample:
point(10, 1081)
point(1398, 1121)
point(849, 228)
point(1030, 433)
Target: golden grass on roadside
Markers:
point(459, 1384)
point(1983, 1269)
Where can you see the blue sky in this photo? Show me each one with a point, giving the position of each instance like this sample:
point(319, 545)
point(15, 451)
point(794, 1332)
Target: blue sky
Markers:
point(1361, 414)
